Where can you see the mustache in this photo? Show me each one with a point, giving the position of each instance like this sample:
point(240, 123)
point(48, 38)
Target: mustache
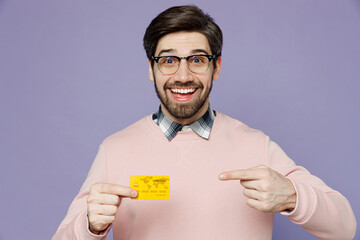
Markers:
point(186, 84)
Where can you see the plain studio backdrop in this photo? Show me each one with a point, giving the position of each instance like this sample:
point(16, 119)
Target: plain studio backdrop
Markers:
point(73, 72)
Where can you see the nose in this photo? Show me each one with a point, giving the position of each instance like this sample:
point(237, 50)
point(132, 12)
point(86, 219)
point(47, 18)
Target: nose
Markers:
point(183, 74)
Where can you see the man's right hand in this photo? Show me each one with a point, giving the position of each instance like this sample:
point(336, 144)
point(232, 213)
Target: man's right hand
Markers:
point(103, 203)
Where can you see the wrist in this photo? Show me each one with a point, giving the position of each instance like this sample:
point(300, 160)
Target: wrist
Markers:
point(291, 201)
point(289, 204)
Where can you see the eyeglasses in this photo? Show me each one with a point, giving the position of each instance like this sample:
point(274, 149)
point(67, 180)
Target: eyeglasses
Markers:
point(196, 63)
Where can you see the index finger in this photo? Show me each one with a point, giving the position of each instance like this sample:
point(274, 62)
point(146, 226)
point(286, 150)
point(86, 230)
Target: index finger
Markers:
point(115, 189)
point(242, 174)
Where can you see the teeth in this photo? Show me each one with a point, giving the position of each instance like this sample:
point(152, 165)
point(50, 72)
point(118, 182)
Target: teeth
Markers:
point(183, 91)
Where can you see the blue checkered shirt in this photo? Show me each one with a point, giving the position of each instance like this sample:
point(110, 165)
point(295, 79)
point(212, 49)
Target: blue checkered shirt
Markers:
point(170, 128)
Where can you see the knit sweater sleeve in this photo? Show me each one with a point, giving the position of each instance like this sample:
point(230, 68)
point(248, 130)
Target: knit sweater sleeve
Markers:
point(75, 224)
point(320, 210)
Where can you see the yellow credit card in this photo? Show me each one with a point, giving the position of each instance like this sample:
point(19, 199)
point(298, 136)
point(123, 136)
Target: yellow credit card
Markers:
point(151, 187)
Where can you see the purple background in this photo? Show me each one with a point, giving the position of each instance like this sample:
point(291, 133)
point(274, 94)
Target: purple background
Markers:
point(73, 72)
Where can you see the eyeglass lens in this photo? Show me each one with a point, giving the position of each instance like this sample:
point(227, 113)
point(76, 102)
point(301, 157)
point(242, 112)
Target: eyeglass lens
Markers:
point(196, 64)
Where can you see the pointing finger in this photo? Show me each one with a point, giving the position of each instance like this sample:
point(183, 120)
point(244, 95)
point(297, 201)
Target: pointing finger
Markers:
point(107, 188)
point(245, 174)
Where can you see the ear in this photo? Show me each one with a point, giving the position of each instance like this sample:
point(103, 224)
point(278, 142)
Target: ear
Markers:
point(151, 72)
point(217, 69)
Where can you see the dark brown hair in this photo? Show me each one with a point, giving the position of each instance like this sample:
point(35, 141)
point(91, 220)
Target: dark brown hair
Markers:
point(183, 18)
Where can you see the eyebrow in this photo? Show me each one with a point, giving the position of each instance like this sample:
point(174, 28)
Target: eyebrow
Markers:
point(165, 51)
point(195, 51)
point(200, 51)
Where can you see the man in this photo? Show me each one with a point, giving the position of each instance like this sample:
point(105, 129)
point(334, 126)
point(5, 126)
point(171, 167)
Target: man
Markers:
point(197, 146)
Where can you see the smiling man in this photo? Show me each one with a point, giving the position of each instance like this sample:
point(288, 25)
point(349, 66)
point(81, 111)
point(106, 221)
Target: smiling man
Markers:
point(199, 156)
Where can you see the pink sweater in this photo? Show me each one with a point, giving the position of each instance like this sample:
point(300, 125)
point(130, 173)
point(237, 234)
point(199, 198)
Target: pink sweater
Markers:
point(201, 206)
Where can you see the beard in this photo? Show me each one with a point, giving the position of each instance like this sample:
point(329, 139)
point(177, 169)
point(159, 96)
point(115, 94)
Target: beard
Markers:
point(183, 110)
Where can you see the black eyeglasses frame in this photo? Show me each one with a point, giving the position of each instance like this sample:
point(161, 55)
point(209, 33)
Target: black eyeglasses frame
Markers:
point(210, 57)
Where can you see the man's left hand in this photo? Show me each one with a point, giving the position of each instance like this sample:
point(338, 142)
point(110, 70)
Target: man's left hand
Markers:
point(266, 189)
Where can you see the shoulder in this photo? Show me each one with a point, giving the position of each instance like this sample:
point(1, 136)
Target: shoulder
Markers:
point(139, 130)
point(236, 132)
point(230, 124)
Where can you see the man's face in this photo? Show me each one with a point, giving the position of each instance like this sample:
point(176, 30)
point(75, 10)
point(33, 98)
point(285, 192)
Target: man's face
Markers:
point(184, 95)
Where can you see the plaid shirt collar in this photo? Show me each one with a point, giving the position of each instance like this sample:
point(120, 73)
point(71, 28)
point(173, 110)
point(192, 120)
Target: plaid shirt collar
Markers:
point(170, 128)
